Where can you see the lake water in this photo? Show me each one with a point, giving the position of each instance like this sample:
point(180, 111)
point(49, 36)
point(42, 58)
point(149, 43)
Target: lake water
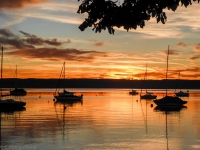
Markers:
point(106, 119)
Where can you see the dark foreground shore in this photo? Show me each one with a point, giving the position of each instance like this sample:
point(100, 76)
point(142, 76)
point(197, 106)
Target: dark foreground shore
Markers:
point(100, 83)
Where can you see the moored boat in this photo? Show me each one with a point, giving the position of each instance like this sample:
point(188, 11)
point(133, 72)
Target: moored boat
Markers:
point(8, 103)
point(182, 94)
point(18, 92)
point(66, 95)
point(148, 95)
point(169, 100)
point(133, 92)
point(11, 104)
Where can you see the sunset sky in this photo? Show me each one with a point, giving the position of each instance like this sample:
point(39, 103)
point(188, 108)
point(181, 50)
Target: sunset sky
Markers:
point(39, 35)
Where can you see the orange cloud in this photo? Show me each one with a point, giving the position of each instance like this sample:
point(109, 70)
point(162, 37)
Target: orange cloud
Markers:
point(181, 44)
point(11, 4)
point(99, 43)
point(197, 47)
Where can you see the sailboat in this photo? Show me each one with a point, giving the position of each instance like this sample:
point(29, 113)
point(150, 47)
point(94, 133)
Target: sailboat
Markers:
point(147, 95)
point(8, 103)
point(169, 100)
point(133, 92)
point(17, 91)
point(66, 95)
point(181, 93)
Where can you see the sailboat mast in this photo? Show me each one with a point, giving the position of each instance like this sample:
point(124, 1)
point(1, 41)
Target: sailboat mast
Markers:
point(15, 84)
point(64, 73)
point(16, 71)
point(167, 68)
point(179, 78)
point(146, 77)
point(1, 67)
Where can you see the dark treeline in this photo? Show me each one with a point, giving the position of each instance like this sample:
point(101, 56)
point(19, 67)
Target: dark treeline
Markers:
point(101, 83)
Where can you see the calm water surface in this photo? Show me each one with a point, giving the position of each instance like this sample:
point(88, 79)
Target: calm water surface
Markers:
point(106, 119)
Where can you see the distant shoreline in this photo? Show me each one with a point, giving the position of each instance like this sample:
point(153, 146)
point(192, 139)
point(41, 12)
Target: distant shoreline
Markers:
point(100, 83)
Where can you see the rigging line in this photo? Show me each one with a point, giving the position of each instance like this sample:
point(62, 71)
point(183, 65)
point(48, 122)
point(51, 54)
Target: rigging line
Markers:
point(146, 77)
point(167, 68)
point(142, 84)
point(58, 83)
point(142, 112)
point(1, 68)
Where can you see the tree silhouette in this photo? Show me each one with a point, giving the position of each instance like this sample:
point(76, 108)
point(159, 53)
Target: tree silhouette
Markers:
point(104, 14)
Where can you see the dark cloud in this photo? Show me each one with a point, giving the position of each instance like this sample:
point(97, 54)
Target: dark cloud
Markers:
point(181, 44)
point(55, 54)
point(32, 46)
point(194, 69)
point(10, 4)
point(195, 57)
point(6, 33)
point(14, 42)
point(172, 52)
point(28, 41)
point(34, 40)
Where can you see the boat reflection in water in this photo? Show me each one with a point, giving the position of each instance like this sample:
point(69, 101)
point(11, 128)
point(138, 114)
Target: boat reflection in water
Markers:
point(61, 108)
point(170, 109)
point(67, 103)
point(7, 114)
point(12, 110)
point(167, 110)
